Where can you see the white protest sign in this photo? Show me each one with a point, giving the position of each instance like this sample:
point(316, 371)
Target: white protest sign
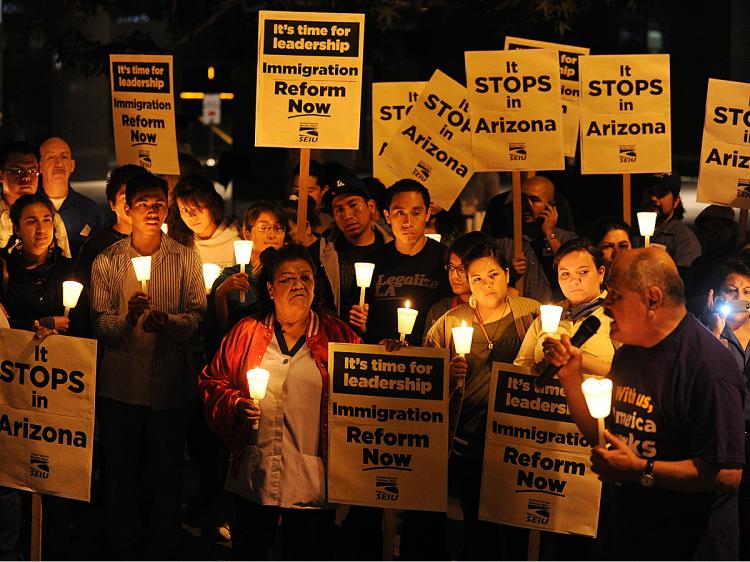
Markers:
point(388, 427)
point(309, 79)
point(516, 112)
point(625, 114)
point(536, 471)
point(391, 102)
point(569, 84)
point(724, 175)
point(433, 143)
point(47, 395)
point(143, 112)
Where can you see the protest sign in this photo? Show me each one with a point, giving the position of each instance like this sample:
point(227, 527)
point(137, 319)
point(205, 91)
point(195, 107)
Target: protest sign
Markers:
point(391, 102)
point(433, 144)
point(388, 427)
point(536, 470)
point(143, 112)
point(625, 114)
point(47, 395)
point(516, 112)
point(570, 91)
point(724, 174)
point(309, 79)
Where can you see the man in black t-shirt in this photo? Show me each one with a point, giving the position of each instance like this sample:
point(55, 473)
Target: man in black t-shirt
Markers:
point(353, 237)
point(408, 269)
point(676, 433)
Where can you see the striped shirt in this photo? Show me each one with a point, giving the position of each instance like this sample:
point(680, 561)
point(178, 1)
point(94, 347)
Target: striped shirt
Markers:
point(176, 287)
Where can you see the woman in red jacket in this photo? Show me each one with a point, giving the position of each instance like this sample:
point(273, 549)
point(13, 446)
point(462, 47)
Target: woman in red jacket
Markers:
point(278, 469)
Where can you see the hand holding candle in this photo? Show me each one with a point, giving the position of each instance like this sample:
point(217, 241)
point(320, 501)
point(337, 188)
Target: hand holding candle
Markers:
point(598, 394)
point(142, 266)
point(71, 294)
point(211, 272)
point(257, 382)
point(363, 271)
point(406, 318)
point(243, 251)
point(647, 224)
point(435, 237)
point(462, 337)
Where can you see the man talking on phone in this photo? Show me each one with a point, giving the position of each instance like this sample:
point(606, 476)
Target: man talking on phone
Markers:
point(541, 240)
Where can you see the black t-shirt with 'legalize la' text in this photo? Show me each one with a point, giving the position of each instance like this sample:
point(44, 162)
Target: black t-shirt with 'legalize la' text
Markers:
point(421, 279)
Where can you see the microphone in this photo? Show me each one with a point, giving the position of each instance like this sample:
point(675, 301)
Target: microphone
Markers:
point(588, 328)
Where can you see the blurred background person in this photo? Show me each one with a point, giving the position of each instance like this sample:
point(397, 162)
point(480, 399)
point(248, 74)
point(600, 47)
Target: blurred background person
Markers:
point(612, 236)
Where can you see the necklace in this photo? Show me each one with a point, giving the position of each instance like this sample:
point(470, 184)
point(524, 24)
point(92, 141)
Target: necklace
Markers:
point(490, 342)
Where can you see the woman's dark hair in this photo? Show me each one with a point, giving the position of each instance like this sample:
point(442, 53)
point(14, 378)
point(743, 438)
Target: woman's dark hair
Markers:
point(580, 245)
point(739, 263)
point(466, 242)
point(259, 207)
point(198, 190)
point(603, 225)
point(16, 210)
point(486, 249)
point(271, 260)
point(119, 177)
point(24, 201)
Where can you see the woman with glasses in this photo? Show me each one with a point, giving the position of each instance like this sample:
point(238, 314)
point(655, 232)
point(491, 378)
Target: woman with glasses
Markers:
point(580, 272)
point(266, 224)
point(196, 220)
point(456, 276)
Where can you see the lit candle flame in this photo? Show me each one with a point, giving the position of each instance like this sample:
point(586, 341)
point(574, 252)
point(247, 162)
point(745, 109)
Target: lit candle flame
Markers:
point(407, 304)
point(463, 323)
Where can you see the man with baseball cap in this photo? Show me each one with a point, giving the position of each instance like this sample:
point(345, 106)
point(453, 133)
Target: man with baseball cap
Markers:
point(662, 195)
point(352, 238)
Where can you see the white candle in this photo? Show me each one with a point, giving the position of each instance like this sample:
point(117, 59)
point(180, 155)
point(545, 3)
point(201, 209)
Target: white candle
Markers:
point(164, 228)
point(435, 237)
point(406, 318)
point(598, 394)
point(363, 270)
point(550, 317)
point(243, 251)
point(462, 336)
point(211, 272)
point(647, 224)
point(71, 293)
point(257, 382)
point(142, 266)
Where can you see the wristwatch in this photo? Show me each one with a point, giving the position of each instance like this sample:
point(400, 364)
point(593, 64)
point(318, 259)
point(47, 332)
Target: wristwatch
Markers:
point(647, 478)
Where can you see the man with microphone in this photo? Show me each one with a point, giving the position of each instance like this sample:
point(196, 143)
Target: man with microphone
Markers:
point(675, 439)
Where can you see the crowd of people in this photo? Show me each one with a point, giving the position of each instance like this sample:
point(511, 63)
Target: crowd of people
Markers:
point(172, 360)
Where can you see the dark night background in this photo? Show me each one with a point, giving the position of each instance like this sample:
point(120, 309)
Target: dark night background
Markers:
point(54, 63)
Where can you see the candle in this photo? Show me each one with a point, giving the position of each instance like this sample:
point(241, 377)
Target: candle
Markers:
point(550, 317)
point(211, 272)
point(363, 270)
point(406, 318)
point(598, 394)
point(257, 382)
point(164, 228)
point(646, 224)
point(462, 336)
point(71, 293)
point(142, 266)
point(243, 250)
point(435, 237)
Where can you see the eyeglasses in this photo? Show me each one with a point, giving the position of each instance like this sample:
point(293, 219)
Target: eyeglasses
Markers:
point(450, 268)
point(266, 228)
point(21, 173)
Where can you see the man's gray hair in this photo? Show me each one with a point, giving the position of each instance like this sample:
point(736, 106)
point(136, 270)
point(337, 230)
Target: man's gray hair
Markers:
point(648, 269)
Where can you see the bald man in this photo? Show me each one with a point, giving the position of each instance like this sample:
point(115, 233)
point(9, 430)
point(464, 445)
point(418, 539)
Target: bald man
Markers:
point(541, 240)
point(675, 439)
point(81, 215)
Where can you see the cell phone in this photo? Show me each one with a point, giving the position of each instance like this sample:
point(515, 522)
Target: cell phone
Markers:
point(725, 307)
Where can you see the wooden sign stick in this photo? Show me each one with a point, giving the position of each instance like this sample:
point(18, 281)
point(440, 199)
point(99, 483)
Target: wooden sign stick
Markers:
point(517, 227)
point(303, 182)
point(742, 228)
point(389, 533)
point(36, 526)
point(535, 537)
point(626, 211)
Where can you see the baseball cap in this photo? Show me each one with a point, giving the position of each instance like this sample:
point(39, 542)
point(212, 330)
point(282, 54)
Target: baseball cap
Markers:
point(661, 184)
point(715, 212)
point(349, 186)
